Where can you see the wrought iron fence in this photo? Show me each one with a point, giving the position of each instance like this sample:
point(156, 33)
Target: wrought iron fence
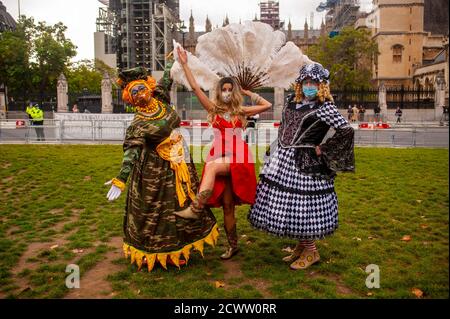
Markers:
point(405, 98)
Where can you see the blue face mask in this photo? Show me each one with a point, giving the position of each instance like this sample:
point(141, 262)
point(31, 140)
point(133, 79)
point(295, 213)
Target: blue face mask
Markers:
point(310, 92)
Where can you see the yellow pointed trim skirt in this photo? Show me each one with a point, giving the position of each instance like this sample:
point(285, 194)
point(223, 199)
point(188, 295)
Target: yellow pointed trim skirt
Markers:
point(137, 255)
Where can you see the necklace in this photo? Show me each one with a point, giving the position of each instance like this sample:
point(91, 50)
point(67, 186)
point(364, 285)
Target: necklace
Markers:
point(227, 116)
point(158, 116)
point(150, 108)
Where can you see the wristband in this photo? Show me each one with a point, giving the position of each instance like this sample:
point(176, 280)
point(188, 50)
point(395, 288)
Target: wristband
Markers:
point(119, 184)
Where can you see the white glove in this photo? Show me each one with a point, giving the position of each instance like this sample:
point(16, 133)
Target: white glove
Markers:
point(114, 193)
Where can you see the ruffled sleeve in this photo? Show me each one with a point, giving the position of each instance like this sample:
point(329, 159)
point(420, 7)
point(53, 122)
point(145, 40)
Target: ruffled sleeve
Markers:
point(162, 91)
point(338, 151)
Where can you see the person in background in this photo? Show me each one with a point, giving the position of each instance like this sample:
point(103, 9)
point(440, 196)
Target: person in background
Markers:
point(75, 109)
point(377, 111)
point(184, 113)
point(37, 120)
point(398, 114)
point(28, 110)
point(349, 113)
point(361, 113)
point(355, 113)
point(444, 118)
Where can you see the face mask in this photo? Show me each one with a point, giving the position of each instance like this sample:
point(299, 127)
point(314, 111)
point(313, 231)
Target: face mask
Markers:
point(226, 97)
point(310, 92)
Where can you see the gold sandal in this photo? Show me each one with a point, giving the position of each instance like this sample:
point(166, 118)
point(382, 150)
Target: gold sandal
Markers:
point(306, 259)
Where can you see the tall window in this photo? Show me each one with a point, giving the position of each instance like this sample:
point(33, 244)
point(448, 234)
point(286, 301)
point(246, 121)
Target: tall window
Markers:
point(397, 52)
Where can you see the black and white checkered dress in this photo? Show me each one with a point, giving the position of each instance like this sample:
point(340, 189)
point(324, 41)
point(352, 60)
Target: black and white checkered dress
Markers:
point(291, 203)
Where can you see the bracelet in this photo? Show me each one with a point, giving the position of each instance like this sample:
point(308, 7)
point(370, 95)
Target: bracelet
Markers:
point(256, 98)
point(118, 183)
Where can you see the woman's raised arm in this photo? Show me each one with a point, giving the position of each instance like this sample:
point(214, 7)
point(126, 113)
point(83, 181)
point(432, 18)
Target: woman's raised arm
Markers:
point(202, 97)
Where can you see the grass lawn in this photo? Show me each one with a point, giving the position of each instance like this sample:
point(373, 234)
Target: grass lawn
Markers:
point(54, 212)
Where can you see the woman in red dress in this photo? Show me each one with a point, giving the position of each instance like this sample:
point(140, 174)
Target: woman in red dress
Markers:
point(228, 177)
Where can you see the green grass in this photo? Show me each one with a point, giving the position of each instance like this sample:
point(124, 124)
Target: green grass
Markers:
point(56, 193)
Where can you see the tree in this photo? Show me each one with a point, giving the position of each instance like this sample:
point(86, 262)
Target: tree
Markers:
point(348, 56)
point(14, 61)
point(33, 56)
point(88, 74)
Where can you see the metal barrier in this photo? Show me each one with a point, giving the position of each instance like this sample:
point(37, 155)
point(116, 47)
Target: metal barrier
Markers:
point(199, 133)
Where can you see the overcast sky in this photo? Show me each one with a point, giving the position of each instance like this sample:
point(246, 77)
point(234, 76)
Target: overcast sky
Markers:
point(80, 15)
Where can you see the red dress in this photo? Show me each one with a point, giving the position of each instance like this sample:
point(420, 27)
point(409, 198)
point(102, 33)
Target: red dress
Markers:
point(228, 142)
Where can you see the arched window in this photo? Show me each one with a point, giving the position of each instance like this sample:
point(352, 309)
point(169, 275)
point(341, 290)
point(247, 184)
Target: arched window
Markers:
point(417, 85)
point(397, 52)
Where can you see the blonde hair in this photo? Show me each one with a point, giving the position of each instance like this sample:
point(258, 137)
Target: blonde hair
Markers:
point(235, 105)
point(323, 95)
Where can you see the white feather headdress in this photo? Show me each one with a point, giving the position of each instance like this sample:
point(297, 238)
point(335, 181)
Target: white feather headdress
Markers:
point(253, 53)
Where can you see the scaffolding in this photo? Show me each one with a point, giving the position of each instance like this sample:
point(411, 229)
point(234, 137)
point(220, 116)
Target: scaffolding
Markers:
point(340, 13)
point(141, 31)
point(162, 22)
point(270, 13)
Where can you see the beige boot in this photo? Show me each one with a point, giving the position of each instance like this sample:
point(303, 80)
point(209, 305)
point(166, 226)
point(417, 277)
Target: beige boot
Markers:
point(295, 254)
point(306, 259)
point(229, 253)
point(233, 241)
point(196, 207)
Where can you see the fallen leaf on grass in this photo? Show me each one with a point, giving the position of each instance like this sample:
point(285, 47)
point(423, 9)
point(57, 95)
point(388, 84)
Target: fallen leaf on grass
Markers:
point(249, 242)
point(370, 294)
point(87, 178)
point(244, 236)
point(357, 238)
point(219, 284)
point(419, 201)
point(406, 238)
point(417, 292)
point(77, 251)
point(287, 250)
point(54, 247)
point(424, 226)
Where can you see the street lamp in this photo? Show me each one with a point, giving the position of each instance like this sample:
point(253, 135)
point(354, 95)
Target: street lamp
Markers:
point(180, 27)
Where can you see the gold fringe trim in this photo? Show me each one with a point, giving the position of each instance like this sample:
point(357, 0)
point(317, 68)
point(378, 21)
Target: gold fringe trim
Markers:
point(137, 255)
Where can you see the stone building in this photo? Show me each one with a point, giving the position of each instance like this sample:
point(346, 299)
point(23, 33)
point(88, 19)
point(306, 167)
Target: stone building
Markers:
point(411, 37)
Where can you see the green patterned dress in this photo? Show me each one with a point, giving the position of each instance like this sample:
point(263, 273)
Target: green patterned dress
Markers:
point(152, 232)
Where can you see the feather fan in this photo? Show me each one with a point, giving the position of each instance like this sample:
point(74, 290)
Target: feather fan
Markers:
point(252, 53)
